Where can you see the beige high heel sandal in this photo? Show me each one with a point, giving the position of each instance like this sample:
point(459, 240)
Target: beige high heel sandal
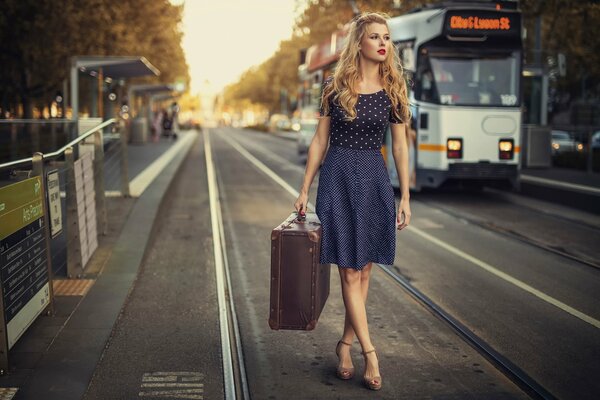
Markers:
point(341, 372)
point(373, 383)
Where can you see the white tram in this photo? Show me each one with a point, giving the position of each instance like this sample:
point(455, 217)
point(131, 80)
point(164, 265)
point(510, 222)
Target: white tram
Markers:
point(464, 64)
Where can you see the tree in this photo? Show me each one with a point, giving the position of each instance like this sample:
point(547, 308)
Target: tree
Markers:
point(318, 20)
point(38, 37)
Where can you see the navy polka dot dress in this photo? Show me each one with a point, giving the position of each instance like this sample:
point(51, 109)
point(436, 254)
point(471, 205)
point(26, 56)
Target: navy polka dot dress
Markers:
point(355, 198)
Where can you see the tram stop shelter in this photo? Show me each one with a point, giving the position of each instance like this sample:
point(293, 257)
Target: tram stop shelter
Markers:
point(106, 69)
point(142, 111)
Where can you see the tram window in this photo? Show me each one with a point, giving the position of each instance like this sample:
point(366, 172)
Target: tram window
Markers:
point(425, 89)
point(469, 78)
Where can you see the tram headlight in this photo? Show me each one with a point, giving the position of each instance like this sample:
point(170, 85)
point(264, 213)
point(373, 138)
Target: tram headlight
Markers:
point(506, 149)
point(454, 148)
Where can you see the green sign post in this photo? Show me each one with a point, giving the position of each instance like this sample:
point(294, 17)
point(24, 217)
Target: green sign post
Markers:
point(24, 263)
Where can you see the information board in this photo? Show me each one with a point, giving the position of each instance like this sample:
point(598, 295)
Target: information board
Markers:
point(23, 263)
point(54, 208)
point(86, 206)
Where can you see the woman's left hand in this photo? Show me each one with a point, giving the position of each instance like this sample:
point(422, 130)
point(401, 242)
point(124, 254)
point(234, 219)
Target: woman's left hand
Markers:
point(403, 218)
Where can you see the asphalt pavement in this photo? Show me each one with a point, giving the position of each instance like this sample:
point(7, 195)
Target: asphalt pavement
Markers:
point(149, 327)
point(535, 306)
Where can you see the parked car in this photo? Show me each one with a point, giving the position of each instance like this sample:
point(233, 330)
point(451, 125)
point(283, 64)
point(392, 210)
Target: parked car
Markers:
point(563, 142)
point(279, 122)
point(305, 135)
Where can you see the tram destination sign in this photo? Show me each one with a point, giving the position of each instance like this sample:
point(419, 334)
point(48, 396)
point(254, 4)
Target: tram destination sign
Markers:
point(23, 262)
point(482, 22)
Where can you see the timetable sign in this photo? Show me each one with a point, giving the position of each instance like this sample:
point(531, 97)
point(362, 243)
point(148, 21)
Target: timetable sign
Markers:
point(54, 208)
point(23, 262)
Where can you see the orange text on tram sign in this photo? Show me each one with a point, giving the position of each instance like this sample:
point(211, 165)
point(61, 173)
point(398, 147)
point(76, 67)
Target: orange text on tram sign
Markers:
point(458, 22)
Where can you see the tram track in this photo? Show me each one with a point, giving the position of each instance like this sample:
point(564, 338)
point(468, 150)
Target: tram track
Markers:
point(512, 234)
point(505, 366)
point(509, 369)
point(234, 372)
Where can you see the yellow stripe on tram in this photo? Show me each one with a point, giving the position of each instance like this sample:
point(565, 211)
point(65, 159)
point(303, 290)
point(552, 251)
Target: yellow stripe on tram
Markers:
point(432, 147)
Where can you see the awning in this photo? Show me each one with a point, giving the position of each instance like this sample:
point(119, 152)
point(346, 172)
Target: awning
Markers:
point(115, 66)
point(152, 88)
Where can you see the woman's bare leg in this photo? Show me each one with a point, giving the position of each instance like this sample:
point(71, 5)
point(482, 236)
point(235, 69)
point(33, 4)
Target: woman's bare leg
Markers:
point(354, 291)
point(348, 335)
point(365, 274)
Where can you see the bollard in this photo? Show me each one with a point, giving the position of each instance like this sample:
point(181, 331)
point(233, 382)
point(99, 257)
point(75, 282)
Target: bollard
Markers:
point(38, 170)
point(124, 162)
point(101, 219)
point(74, 266)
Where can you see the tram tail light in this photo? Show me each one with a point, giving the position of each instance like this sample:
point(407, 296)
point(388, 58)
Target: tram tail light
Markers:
point(454, 148)
point(506, 149)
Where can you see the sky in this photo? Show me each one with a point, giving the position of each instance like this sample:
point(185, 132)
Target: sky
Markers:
point(223, 38)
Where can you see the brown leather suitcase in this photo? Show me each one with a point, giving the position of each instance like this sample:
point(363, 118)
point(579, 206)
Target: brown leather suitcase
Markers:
point(299, 284)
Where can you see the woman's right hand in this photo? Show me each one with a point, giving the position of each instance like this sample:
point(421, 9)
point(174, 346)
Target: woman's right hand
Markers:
point(301, 203)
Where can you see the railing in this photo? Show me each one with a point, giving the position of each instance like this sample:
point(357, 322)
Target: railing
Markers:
point(68, 249)
point(19, 138)
point(36, 194)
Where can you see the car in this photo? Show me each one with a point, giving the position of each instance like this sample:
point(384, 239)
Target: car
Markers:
point(307, 130)
point(563, 142)
point(279, 122)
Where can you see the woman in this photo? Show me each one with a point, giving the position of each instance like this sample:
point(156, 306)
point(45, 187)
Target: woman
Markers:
point(355, 199)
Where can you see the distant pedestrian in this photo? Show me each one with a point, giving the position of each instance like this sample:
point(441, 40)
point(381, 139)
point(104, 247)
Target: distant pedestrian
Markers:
point(175, 119)
point(157, 125)
point(167, 124)
point(355, 199)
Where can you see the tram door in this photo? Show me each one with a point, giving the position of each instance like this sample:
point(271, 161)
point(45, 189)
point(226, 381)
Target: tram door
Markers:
point(535, 96)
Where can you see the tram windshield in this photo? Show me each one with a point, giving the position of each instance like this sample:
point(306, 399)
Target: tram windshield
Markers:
point(469, 78)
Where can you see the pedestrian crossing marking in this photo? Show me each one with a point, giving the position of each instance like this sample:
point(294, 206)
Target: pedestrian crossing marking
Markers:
point(159, 379)
point(172, 385)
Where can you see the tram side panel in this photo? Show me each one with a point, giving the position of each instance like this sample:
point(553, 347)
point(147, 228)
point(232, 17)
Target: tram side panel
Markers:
point(479, 131)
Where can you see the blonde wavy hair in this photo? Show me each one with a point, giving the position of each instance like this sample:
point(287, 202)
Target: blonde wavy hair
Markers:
point(347, 72)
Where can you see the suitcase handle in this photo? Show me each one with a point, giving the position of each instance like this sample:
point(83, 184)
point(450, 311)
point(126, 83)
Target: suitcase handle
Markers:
point(301, 216)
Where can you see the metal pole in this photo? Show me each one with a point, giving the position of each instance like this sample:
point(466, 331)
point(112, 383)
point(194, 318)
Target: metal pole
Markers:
point(74, 93)
point(3, 338)
point(14, 140)
point(101, 220)
point(100, 94)
point(74, 267)
point(65, 100)
point(590, 157)
point(124, 163)
point(38, 170)
point(537, 52)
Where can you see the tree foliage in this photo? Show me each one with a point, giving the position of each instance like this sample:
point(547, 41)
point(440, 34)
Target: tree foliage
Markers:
point(568, 26)
point(38, 37)
point(318, 20)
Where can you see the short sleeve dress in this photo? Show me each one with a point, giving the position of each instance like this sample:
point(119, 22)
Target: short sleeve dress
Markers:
point(355, 199)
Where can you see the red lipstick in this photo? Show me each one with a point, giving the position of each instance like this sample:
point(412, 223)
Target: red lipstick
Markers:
point(382, 51)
